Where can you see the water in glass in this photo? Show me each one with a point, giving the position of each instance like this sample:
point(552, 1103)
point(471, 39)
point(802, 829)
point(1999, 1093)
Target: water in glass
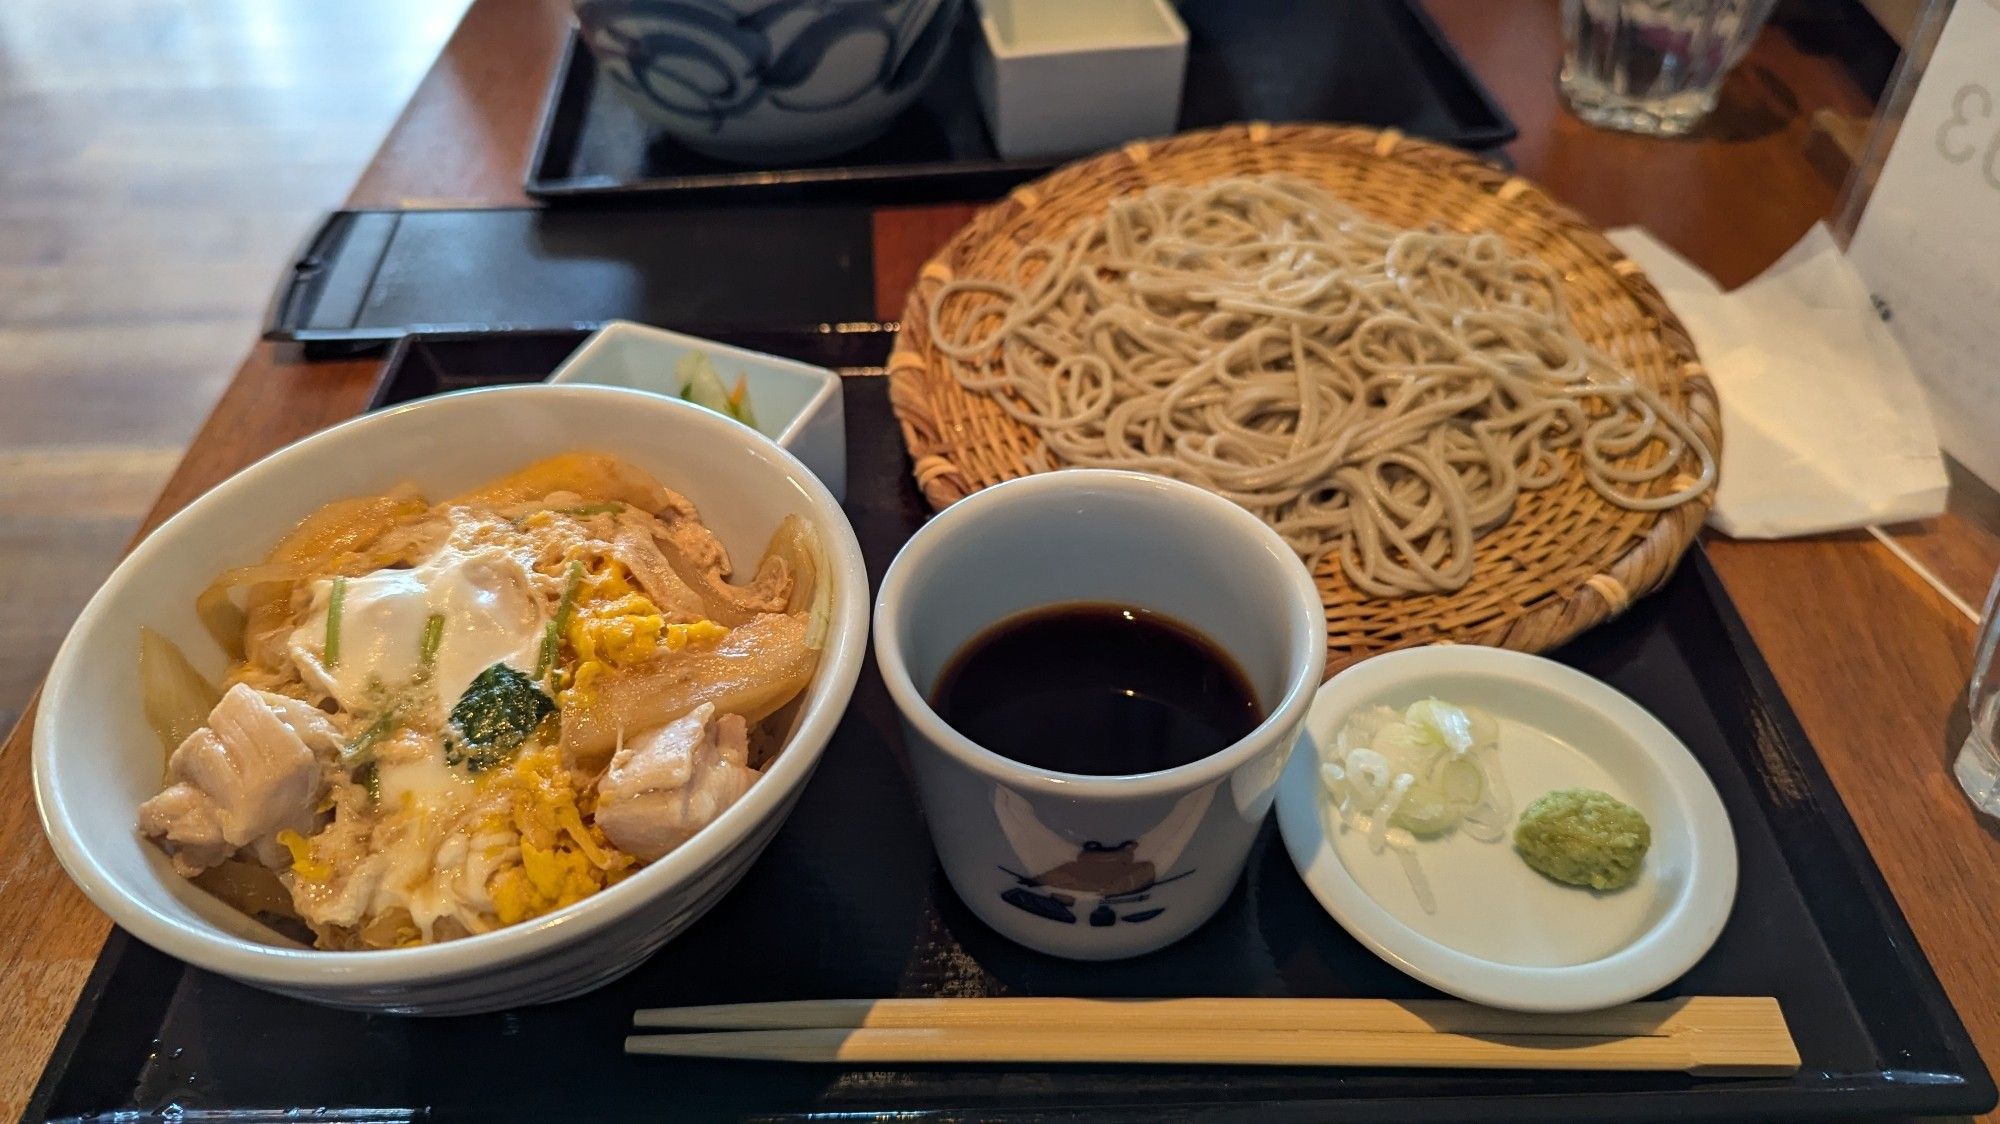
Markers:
point(1653, 66)
point(1978, 765)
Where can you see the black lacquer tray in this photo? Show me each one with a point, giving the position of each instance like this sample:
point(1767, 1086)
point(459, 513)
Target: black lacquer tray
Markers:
point(1367, 62)
point(849, 901)
point(365, 278)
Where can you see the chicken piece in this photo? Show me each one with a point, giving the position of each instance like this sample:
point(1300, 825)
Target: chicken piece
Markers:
point(634, 547)
point(237, 782)
point(672, 781)
point(342, 900)
point(185, 821)
point(696, 557)
point(311, 725)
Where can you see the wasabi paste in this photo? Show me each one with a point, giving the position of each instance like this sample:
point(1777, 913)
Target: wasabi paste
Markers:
point(1583, 837)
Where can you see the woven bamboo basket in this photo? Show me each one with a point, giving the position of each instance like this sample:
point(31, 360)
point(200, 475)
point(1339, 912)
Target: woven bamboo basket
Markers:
point(1567, 559)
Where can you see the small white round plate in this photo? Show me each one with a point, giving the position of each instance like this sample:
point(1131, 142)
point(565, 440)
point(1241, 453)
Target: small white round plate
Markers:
point(1501, 934)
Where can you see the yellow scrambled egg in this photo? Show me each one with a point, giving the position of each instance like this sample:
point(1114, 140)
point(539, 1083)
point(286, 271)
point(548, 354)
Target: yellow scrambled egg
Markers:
point(614, 625)
point(303, 863)
point(563, 859)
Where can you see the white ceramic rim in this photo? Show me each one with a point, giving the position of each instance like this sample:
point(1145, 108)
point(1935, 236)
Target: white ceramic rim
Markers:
point(1661, 955)
point(1172, 32)
point(571, 372)
point(1307, 651)
point(287, 967)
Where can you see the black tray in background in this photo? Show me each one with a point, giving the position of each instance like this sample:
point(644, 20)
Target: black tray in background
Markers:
point(849, 901)
point(1368, 62)
point(364, 278)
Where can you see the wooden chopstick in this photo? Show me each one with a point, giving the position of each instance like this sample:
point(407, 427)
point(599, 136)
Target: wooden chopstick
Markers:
point(1414, 1016)
point(1704, 1035)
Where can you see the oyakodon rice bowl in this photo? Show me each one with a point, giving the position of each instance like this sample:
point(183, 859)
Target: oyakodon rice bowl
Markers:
point(122, 825)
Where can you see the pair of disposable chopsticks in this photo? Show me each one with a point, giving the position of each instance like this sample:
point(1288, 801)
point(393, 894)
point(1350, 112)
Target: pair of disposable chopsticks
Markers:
point(1708, 1035)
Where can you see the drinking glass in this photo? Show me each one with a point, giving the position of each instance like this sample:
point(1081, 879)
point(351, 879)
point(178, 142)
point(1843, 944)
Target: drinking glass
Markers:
point(1978, 765)
point(1652, 66)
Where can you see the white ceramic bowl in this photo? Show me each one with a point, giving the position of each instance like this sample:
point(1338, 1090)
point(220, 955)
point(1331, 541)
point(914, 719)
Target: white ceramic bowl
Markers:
point(1502, 934)
point(796, 404)
point(95, 759)
point(769, 80)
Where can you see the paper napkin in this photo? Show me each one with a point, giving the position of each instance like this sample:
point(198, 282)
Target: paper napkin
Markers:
point(1824, 427)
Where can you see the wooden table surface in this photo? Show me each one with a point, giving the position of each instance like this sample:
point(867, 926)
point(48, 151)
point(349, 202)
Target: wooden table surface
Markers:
point(1873, 659)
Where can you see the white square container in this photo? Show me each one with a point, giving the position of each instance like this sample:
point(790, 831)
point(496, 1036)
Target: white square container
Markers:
point(796, 404)
point(1058, 77)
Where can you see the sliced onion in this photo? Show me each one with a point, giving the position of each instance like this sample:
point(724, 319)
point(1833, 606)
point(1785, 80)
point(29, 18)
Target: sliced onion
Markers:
point(797, 544)
point(269, 600)
point(1408, 748)
point(333, 540)
point(1425, 810)
point(753, 671)
point(1461, 781)
point(1360, 728)
point(1368, 778)
point(1442, 723)
point(223, 619)
point(1480, 823)
point(1497, 796)
point(589, 476)
point(248, 887)
point(1419, 885)
point(1333, 777)
point(1409, 774)
point(173, 694)
point(721, 601)
point(1378, 821)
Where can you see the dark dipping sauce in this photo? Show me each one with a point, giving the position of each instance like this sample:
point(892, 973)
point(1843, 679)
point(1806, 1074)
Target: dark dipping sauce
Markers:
point(1101, 689)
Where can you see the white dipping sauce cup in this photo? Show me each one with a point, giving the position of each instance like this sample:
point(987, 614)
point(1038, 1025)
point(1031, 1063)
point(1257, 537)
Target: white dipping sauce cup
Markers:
point(1098, 867)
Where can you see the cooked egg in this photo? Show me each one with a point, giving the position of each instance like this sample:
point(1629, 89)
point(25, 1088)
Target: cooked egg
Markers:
point(562, 859)
point(619, 628)
point(304, 864)
point(426, 782)
point(432, 852)
point(490, 615)
point(506, 846)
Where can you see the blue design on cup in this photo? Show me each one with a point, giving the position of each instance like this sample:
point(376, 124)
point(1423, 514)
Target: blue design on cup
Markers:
point(705, 65)
point(1107, 877)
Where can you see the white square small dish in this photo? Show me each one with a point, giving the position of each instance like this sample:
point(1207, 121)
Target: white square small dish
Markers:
point(1055, 77)
point(795, 404)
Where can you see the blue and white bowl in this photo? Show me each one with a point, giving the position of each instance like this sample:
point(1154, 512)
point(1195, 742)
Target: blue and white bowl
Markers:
point(769, 80)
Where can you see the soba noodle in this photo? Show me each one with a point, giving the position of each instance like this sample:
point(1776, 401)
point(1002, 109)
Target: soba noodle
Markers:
point(1379, 394)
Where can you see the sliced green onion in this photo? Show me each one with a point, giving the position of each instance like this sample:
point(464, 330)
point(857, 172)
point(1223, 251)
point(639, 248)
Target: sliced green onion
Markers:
point(552, 633)
point(572, 583)
point(334, 602)
point(427, 651)
point(361, 750)
point(551, 640)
